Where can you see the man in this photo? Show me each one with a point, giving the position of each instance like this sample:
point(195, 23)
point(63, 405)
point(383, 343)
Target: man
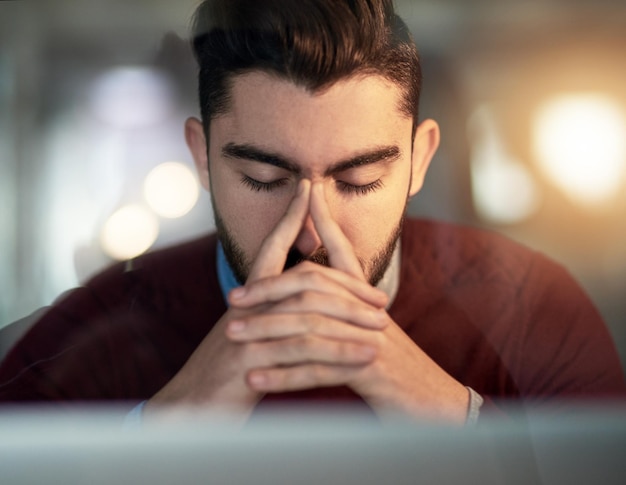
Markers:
point(310, 146)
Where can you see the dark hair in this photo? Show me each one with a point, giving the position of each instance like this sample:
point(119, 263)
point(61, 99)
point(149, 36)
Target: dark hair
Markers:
point(313, 43)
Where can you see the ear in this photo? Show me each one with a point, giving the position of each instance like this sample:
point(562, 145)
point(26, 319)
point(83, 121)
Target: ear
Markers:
point(196, 141)
point(425, 145)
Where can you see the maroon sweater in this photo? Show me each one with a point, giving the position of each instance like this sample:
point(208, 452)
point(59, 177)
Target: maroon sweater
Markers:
point(499, 318)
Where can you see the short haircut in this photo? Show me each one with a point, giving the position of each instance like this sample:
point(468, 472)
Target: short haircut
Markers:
point(312, 43)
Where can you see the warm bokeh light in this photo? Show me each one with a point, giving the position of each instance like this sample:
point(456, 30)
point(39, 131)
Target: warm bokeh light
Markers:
point(503, 193)
point(580, 144)
point(171, 189)
point(503, 190)
point(129, 232)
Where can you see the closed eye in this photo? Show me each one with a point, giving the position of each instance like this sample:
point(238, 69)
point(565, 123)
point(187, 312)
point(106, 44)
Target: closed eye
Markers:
point(259, 186)
point(344, 187)
point(347, 188)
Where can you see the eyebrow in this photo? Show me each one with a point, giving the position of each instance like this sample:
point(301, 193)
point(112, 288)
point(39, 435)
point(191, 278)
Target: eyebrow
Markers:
point(382, 154)
point(250, 152)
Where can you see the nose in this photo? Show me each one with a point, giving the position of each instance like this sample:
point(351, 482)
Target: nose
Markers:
point(308, 240)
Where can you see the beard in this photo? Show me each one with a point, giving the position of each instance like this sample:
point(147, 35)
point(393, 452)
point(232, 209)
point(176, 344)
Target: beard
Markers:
point(241, 265)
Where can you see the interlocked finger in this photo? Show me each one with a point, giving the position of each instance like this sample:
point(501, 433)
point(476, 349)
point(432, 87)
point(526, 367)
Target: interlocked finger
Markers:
point(308, 276)
point(272, 255)
point(305, 376)
point(278, 326)
point(300, 350)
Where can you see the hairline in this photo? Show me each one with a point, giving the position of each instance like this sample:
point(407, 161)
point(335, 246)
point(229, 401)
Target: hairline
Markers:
point(363, 72)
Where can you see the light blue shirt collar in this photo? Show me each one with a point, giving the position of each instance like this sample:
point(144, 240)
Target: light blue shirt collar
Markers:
point(389, 284)
point(225, 274)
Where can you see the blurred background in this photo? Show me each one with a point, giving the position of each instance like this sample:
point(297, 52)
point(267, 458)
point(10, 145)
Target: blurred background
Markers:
point(530, 96)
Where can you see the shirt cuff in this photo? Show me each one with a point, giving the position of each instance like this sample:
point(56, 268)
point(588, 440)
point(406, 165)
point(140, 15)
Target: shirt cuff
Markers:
point(473, 408)
point(134, 418)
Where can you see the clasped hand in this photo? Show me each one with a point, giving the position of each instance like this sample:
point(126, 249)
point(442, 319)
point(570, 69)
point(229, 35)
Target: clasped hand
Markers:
point(312, 326)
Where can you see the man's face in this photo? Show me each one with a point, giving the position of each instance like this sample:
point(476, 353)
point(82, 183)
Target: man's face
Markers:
point(352, 138)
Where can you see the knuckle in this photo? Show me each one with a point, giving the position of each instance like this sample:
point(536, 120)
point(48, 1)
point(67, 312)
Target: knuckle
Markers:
point(315, 373)
point(312, 322)
point(315, 278)
point(303, 298)
point(258, 288)
point(306, 267)
point(300, 297)
point(302, 347)
point(343, 351)
point(288, 352)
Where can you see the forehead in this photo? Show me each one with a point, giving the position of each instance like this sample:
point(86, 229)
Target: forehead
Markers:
point(274, 113)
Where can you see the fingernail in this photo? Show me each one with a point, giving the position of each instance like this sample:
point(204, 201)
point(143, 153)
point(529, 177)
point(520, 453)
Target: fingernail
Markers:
point(257, 380)
point(381, 293)
point(381, 316)
point(301, 185)
point(320, 191)
point(236, 326)
point(238, 293)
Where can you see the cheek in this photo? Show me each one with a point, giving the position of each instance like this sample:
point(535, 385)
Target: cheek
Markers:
point(369, 221)
point(249, 216)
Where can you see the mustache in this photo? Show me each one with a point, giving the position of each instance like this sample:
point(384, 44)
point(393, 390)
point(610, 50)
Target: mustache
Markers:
point(295, 257)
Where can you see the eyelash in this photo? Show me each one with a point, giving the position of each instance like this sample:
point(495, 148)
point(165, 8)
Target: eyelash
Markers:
point(262, 186)
point(345, 187)
point(360, 189)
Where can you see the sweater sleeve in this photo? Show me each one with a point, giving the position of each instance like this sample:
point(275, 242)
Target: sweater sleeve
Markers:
point(565, 350)
point(123, 334)
point(51, 361)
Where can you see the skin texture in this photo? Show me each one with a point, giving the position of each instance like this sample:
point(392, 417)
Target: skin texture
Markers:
point(314, 134)
point(312, 325)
